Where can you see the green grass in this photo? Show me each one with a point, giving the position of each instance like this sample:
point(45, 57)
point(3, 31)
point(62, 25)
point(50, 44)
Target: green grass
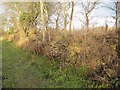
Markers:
point(23, 69)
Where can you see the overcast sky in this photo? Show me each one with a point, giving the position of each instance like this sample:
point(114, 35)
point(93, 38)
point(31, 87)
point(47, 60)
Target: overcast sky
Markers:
point(100, 16)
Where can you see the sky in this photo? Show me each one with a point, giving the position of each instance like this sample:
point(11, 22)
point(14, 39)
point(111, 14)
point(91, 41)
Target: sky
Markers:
point(1, 8)
point(100, 15)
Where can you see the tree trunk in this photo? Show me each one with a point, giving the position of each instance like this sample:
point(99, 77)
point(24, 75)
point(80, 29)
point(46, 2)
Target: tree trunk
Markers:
point(71, 17)
point(57, 23)
point(87, 22)
point(42, 17)
point(65, 16)
point(116, 21)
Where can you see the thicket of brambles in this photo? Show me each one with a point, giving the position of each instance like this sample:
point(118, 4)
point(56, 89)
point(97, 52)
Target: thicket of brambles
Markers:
point(93, 48)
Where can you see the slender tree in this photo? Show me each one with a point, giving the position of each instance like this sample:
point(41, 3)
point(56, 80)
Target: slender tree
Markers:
point(42, 17)
point(88, 7)
point(116, 11)
point(58, 12)
point(65, 16)
point(115, 8)
point(71, 16)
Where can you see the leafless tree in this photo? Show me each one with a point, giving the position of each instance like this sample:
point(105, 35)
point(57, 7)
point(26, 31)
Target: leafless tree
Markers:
point(87, 7)
point(71, 16)
point(114, 7)
point(65, 15)
point(58, 13)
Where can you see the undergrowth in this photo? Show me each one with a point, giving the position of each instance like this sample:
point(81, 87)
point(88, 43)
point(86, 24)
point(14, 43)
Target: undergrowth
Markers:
point(74, 58)
point(24, 69)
